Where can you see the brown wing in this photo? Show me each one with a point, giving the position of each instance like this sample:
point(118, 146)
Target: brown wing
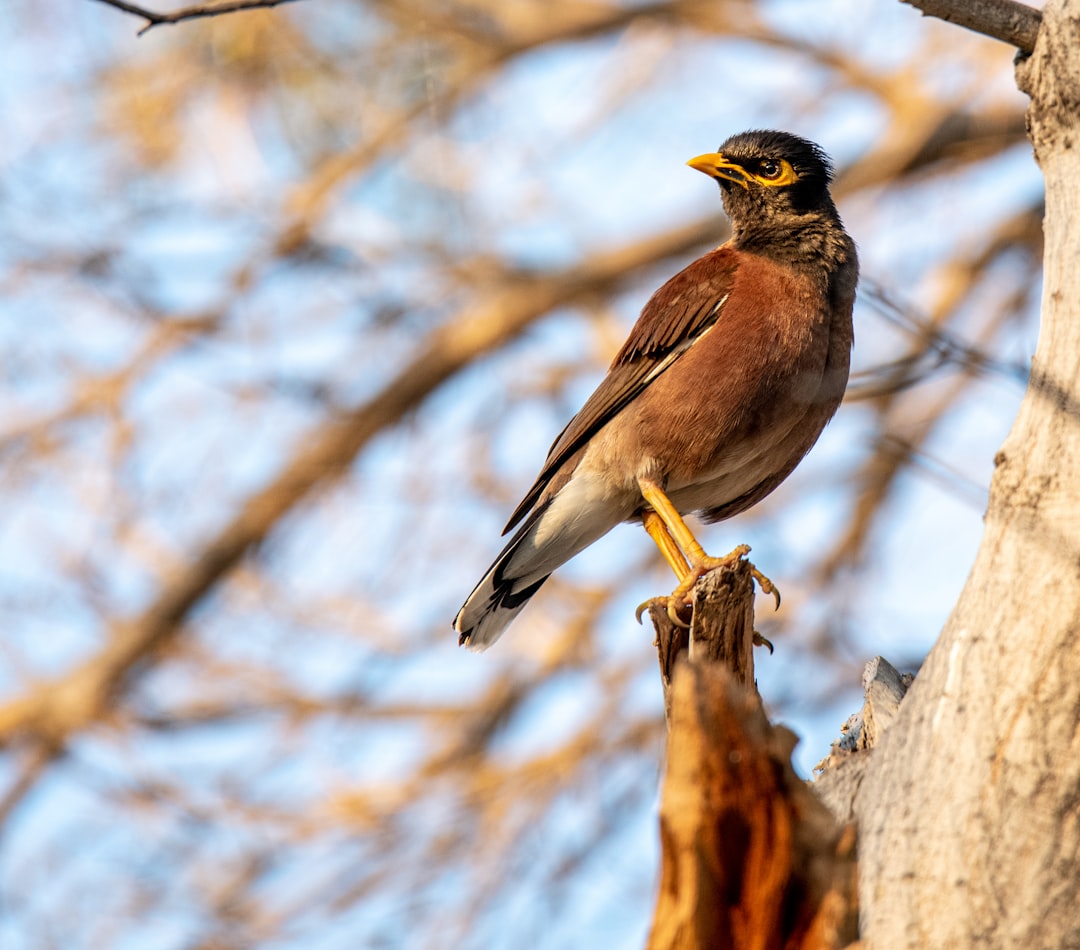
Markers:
point(675, 316)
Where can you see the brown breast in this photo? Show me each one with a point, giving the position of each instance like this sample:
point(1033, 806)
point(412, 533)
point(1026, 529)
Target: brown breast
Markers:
point(737, 412)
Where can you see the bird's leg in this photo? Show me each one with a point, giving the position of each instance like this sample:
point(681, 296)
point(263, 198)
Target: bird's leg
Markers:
point(694, 560)
point(658, 531)
point(672, 553)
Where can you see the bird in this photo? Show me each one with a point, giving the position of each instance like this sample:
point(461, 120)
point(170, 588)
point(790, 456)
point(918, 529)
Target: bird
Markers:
point(727, 379)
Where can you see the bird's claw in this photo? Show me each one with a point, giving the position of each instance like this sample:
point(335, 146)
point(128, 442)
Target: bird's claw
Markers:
point(680, 597)
point(671, 604)
point(707, 564)
point(767, 587)
point(642, 607)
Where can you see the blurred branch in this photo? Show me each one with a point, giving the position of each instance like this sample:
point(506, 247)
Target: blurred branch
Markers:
point(29, 770)
point(879, 473)
point(107, 391)
point(1005, 20)
point(198, 11)
point(51, 712)
point(937, 348)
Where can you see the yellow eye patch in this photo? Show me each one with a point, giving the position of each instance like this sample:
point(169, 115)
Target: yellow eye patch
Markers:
point(774, 172)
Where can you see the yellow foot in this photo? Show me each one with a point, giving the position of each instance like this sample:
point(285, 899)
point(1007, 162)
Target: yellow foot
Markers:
point(766, 586)
point(680, 597)
point(705, 564)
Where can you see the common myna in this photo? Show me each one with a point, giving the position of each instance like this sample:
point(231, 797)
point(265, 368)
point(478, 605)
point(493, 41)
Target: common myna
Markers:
point(726, 381)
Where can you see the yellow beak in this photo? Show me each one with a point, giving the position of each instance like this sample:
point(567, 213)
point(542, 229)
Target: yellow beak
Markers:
point(715, 165)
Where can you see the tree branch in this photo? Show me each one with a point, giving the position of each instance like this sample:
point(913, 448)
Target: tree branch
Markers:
point(196, 12)
point(721, 629)
point(1006, 20)
point(840, 773)
point(750, 857)
point(51, 712)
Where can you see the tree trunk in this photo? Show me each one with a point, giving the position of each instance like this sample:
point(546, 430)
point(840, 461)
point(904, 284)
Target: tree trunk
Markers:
point(969, 810)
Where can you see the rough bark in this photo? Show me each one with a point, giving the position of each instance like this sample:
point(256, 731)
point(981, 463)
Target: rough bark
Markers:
point(751, 859)
point(721, 629)
point(841, 771)
point(969, 810)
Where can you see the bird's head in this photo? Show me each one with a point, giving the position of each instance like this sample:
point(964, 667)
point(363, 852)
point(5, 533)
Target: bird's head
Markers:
point(770, 180)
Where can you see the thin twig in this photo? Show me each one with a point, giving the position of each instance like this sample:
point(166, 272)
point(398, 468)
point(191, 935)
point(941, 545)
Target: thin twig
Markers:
point(195, 12)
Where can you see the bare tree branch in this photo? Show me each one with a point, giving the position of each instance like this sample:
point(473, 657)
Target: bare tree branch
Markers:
point(195, 12)
point(750, 857)
point(51, 712)
point(1006, 20)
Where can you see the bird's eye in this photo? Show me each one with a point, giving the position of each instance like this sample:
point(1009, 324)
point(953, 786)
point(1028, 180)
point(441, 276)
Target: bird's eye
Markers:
point(770, 169)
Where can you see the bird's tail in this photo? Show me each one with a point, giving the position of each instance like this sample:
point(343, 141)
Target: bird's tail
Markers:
point(550, 536)
point(507, 586)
